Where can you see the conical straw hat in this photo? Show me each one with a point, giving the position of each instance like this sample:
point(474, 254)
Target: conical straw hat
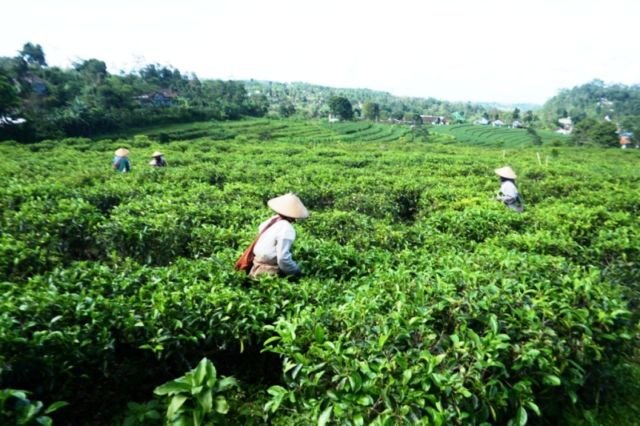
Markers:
point(289, 205)
point(122, 152)
point(506, 172)
point(157, 154)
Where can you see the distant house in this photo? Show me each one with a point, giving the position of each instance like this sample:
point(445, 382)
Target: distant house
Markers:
point(433, 119)
point(516, 124)
point(498, 123)
point(625, 139)
point(481, 121)
point(161, 98)
point(565, 122)
point(566, 125)
point(604, 102)
point(333, 119)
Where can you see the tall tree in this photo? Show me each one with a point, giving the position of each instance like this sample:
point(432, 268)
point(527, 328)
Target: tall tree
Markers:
point(371, 111)
point(257, 105)
point(286, 109)
point(341, 107)
point(529, 117)
point(591, 131)
point(33, 54)
point(94, 69)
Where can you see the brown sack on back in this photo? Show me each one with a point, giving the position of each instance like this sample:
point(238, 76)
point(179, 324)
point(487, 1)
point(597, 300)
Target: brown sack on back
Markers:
point(245, 261)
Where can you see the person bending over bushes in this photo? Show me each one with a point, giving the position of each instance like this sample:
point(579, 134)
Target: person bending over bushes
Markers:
point(270, 252)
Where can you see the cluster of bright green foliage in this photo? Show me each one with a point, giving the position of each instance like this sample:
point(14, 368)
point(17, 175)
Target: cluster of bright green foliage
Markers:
point(197, 398)
point(17, 409)
point(423, 299)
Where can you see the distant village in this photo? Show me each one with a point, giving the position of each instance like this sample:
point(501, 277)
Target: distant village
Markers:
point(565, 124)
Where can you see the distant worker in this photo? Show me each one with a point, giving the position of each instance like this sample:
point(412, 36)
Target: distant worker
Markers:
point(508, 193)
point(121, 160)
point(158, 160)
point(271, 250)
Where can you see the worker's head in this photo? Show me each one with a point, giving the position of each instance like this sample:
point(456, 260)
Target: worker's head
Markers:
point(506, 173)
point(287, 218)
point(289, 207)
point(121, 152)
point(157, 155)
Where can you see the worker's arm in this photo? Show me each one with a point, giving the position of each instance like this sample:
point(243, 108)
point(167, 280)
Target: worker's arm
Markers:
point(285, 262)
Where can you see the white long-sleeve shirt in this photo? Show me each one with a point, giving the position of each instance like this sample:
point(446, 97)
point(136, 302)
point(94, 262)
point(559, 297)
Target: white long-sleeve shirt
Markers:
point(274, 246)
point(508, 192)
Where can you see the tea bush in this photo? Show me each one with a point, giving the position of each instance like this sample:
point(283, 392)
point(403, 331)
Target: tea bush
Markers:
point(423, 299)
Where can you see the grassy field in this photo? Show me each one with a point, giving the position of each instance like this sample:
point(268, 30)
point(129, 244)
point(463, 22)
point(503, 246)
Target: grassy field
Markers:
point(422, 300)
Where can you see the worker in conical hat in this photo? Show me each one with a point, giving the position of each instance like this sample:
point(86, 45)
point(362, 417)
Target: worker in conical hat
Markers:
point(273, 247)
point(158, 159)
point(121, 161)
point(508, 192)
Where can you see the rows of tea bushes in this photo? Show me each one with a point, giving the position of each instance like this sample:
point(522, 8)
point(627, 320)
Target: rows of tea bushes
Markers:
point(480, 135)
point(422, 300)
point(283, 130)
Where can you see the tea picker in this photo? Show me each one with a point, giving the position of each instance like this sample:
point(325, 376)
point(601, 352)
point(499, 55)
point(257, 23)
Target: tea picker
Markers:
point(508, 192)
point(121, 160)
point(270, 252)
point(158, 160)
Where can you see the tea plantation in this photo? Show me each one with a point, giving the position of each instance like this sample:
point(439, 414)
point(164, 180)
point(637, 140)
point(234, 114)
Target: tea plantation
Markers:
point(423, 300)
point(492, 136)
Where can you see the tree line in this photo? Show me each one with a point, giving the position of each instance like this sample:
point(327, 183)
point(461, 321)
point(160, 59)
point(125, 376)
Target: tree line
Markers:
point(87, 100)
point(314, 101)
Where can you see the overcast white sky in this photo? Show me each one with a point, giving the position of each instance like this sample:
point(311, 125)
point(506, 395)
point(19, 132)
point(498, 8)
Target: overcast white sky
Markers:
point(489, 50)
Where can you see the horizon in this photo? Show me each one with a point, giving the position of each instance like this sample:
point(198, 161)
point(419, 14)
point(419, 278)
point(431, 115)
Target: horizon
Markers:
point(493, 53)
